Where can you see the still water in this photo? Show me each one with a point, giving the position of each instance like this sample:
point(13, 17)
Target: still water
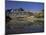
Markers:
point(25, 27)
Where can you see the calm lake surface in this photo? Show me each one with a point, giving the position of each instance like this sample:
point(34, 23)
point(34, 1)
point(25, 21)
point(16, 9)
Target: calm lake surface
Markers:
point(25, 27)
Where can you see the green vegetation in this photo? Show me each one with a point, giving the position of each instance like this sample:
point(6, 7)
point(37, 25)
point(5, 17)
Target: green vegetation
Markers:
point(40, 14)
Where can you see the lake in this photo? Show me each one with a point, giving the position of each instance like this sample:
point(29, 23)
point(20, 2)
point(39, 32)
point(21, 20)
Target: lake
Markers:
point(25, 27)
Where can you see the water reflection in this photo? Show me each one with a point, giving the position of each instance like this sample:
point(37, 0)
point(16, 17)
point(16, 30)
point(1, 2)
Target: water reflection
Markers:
point(25, 26)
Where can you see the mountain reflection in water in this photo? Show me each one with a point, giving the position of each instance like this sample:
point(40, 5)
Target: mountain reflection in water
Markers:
point(25, 27)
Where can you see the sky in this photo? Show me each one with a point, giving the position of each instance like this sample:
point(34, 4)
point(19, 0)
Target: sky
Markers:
point(33, 6)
